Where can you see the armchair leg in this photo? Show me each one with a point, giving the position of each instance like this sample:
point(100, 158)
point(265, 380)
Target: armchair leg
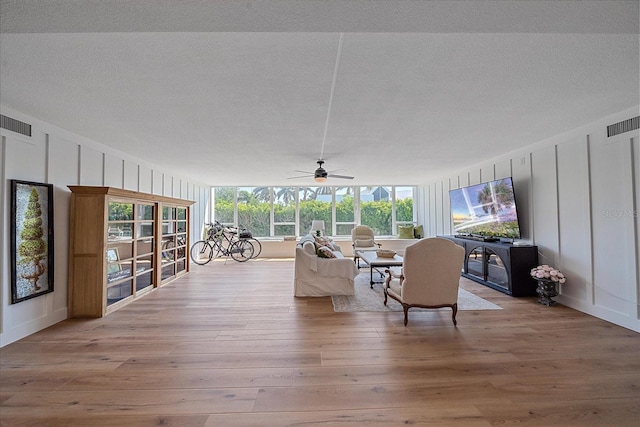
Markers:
point(454, 307)
point(406, 313)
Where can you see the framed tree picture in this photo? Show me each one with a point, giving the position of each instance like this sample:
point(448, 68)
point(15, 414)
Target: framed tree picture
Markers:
point(31, 240)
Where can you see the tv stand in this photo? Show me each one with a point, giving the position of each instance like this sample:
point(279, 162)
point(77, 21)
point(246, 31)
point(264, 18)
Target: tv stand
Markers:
point(499, 265)
point(477, 237)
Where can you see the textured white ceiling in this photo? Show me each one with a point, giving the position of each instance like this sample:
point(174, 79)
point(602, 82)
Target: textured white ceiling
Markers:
point(237, 92)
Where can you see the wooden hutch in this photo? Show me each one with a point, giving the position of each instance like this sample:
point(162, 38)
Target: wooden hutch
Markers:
point(122, 245)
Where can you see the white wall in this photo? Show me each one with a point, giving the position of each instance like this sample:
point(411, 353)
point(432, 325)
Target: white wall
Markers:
point(55, 156)
point(577, 196)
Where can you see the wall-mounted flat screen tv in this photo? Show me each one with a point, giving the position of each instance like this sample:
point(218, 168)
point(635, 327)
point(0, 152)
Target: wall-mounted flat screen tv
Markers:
point(485, 210)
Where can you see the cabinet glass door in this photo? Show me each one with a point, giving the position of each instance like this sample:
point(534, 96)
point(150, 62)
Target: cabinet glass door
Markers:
point(145, 225)
point(475, 262)
point(174, 241)
point(120, 250)
point(496, 270)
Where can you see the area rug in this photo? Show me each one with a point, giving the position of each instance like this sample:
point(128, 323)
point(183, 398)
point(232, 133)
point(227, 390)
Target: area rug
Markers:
point(367, 299)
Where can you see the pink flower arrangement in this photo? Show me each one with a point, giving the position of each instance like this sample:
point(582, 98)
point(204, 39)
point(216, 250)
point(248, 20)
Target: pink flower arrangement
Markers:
point(545, 272)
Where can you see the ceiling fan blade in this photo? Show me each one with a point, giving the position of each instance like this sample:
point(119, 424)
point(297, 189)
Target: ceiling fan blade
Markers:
point(339, 176)
point(336, 170)
point(301, 176)
point(307, 172)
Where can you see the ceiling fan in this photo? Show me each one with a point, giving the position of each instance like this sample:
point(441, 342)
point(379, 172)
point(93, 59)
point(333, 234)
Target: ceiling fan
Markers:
point(320, 174)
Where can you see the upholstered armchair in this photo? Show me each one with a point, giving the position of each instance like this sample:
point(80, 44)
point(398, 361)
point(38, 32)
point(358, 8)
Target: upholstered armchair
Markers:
point(430, 276)
point(363, 239)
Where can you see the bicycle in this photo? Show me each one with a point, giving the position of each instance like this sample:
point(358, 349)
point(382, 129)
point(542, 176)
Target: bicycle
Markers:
point(221, 241)
point(245, 234)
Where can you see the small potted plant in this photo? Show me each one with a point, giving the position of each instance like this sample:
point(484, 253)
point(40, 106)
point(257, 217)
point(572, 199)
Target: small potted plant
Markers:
point(548, 280)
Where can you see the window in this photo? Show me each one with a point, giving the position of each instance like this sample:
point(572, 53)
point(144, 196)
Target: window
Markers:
point(315, 203)
point(403, 209)
point(345, 211)
point(224, 204)
point(287, 211)
point(254, 209)
point(284, 211)
point(375, 209)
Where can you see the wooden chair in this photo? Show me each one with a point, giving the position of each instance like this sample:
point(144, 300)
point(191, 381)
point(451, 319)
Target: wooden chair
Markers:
point(430, 276)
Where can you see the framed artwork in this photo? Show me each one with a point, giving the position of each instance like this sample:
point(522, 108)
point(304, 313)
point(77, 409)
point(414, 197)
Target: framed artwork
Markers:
point(31, 240)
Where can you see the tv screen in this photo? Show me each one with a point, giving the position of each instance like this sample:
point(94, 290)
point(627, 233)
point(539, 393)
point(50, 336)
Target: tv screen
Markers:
point(487, 210)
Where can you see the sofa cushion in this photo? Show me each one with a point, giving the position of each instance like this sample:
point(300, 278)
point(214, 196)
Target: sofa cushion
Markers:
point(310, 247)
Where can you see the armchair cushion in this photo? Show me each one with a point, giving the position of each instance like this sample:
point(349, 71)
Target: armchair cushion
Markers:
point(364, 243)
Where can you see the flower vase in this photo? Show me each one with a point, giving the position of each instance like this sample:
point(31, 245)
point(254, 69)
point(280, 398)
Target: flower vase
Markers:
point(547, 289)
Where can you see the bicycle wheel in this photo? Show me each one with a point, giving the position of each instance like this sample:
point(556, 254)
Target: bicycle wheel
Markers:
point(241, 250)
point(257, 246)
point(201, 252)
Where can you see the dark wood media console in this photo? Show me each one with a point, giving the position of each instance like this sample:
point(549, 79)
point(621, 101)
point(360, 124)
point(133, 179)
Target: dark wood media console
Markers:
point(499, 265)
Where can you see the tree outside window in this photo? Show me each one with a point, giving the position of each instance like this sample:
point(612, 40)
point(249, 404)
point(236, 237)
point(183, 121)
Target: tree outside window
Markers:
point(315, 203)
point(284, 211)
point(375, 209)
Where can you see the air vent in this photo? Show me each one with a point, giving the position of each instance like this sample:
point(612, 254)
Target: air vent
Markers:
point(623, 126)
point(15, 125)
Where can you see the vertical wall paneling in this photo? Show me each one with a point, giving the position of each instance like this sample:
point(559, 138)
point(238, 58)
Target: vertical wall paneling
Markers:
point(433, 221)
point(612, 210)
point(574, 258)
point(636, 215)
point(63, 159)
point(167, 185)
point(60, 158)
point(503, 169)
point(131, 176)
point(4, 230)
point(440, 209)
point(91, 166)
point(487, 173)
point(463, 180)
point(184, 189)
point(145, 178)
point(521, 174)
point(156, 182)
point(26, 159)
point(113, 171)
point(544, 204)
point(474, 177)
point(578, 197)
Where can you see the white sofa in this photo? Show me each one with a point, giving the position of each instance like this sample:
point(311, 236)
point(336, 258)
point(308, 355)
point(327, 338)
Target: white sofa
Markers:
point(315, 276)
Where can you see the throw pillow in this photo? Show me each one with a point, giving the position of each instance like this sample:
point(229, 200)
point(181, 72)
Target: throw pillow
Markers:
point(323, 241)
point(325, 252)
point(418, 232)
point(405, 231)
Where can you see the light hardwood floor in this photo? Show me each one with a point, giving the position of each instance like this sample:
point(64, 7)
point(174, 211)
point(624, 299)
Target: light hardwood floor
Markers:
point(228, 345)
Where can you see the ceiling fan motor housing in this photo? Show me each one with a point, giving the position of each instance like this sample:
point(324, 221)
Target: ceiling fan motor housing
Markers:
point(320, 172)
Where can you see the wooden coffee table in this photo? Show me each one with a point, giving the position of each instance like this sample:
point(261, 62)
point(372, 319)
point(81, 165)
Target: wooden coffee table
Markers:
point(372, 259)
